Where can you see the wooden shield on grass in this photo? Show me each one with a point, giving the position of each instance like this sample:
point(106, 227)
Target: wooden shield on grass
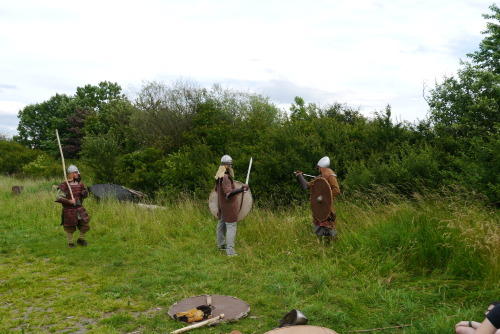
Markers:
point(245, 202)
point(302, 330)
point(233, 308)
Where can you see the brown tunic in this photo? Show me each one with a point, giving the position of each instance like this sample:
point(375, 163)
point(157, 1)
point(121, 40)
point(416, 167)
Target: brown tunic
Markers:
point(228, 207)
point(70, 212)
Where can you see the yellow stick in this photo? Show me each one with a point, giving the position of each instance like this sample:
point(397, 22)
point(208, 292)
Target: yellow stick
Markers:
point(200, 324)
point(378, 329)
point(64, 165)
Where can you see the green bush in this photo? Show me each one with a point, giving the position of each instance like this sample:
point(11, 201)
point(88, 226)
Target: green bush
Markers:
point(141, 170)
point(190, 171)
point(13, 156)
point(44, 166)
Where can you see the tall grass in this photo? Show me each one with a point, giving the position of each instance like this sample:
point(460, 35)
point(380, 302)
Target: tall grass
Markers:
point(428, 261)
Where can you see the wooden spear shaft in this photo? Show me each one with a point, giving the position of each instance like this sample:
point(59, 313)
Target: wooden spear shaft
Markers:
point(200, 324)
point(378, 329)
point(63, 164)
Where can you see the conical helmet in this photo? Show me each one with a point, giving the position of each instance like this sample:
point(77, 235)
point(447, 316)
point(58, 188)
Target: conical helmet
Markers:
point(324, 162)
point(226, 160)
point(73, 168)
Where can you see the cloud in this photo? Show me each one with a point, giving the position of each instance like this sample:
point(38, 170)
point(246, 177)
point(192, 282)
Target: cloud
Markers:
point(365, 53)
point(11, 107)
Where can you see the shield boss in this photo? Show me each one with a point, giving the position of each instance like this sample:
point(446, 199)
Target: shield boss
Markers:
point(321, 199)
point(302, 330)
point(245, 202)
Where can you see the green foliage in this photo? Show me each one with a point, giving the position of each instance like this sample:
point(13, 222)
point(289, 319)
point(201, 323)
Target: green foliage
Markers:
point(466, 106)
point(13, 156)
point(141, 170)
point(97, 98)
point(44, 166)
point(169, 140)
point(102, 152)
point(113, 118)
point(465, 115)
point(189, 171)
point(430, 262)
point(408, 169)
point(488, 55)
point(480, 167)
point(164, 113)
point(38, 123)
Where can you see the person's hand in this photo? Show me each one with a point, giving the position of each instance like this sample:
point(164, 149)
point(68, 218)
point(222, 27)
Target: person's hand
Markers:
point(298, 172)
point(72, 201)
point(245, 187)
point(463, 324)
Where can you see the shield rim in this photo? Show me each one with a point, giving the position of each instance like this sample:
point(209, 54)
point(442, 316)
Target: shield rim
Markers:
point(213, 200)
point(299, 327)
point(323, 215)
point(227, 318)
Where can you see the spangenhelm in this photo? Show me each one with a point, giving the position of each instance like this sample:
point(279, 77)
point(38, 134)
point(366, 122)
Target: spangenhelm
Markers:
point(324, 162)
point(73, 168)
point(226, 160)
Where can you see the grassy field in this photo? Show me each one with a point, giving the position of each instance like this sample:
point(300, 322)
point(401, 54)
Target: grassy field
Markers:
point(427, 262)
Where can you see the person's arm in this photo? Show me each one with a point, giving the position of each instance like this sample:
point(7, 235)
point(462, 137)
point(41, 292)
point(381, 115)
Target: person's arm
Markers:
point(492, 322)
point(61, 197)
point(486, 328)
point(303, 183)
point(334, 185)
point(85, 192)
point(237, 191)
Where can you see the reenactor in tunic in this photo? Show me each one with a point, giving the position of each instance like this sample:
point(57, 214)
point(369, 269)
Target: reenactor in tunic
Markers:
point(324, 188)
point(74, 215)
point(227, 205)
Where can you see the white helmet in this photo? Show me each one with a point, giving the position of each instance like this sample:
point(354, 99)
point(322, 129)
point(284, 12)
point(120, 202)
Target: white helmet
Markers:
point(72, 168)
point(226, 160)
point(324, 162)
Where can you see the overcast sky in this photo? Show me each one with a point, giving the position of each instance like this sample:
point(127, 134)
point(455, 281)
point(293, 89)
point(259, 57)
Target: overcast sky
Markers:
point(363, 53)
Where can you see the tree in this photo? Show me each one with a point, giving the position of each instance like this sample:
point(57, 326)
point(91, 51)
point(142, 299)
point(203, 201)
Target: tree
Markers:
point(468, 105)
point(301, 112)
point(465, 114)
point(164, 113)
point(488, 56)
point(97, 97)
point(38, 122)
point(67, 114)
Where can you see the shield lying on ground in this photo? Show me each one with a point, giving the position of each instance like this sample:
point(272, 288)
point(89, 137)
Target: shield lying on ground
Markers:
point(245, 202)
point(233, 308)
point(321, 199)
point(302, 330)
point(115, 191)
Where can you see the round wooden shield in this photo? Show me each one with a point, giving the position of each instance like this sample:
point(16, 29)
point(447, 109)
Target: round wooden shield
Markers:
point(233, 308)
point(302, 330)
point(321, 198)
point(245, 202)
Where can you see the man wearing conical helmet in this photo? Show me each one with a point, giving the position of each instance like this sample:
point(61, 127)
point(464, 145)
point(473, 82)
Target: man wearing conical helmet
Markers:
point(324, 188)
point(227, 212)
point(74, 216)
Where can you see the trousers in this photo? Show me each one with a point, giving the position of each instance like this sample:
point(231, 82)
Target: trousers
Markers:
point(226, 236)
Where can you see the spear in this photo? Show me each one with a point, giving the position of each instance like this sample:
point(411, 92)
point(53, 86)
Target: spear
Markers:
point(249, 168)
point(199, 324)
point(64, 165)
